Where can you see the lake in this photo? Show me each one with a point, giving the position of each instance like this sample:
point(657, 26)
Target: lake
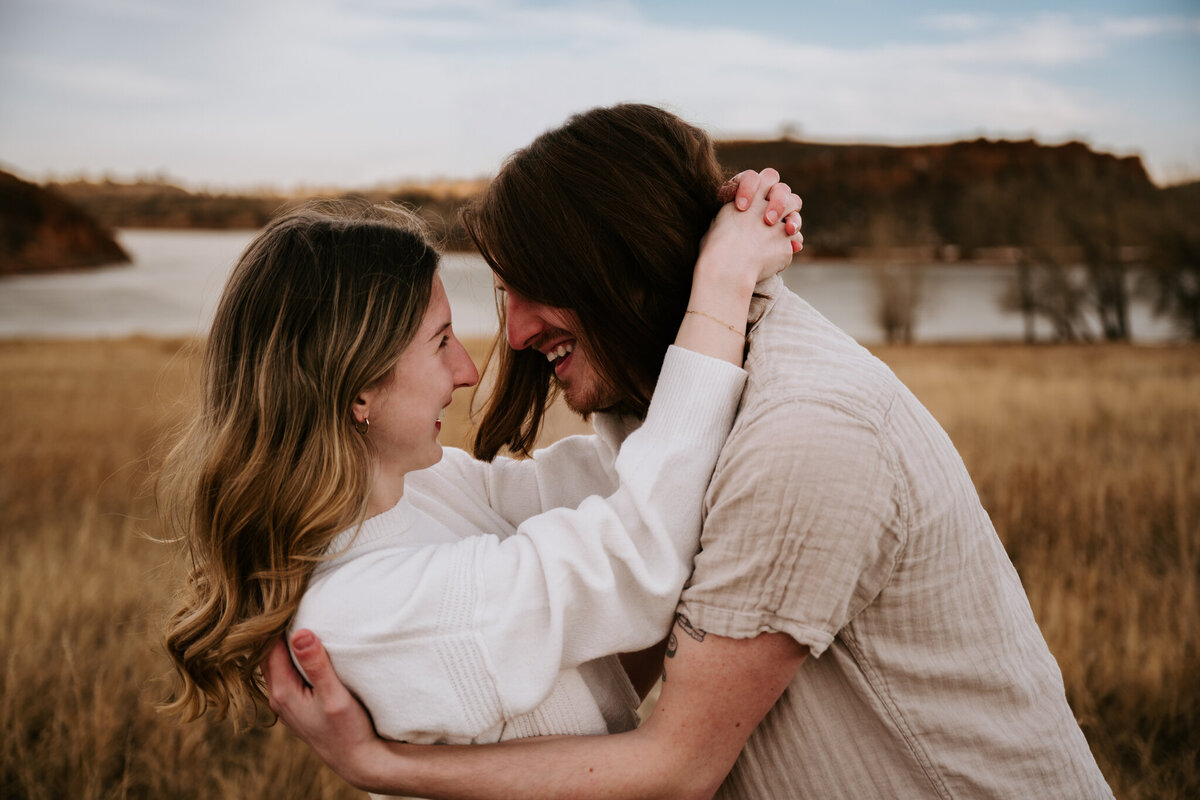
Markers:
point(171, 289)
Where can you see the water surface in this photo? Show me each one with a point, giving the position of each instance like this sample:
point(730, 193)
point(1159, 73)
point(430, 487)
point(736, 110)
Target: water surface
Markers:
point(171, 289)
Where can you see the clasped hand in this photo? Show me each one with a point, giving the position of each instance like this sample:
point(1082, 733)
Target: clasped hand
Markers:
point(737, 238)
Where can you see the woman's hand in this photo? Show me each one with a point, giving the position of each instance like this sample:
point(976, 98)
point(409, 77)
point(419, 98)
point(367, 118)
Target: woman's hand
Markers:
point(325, 716)
point(782, 203)
point(739, 250)
point(749, 247)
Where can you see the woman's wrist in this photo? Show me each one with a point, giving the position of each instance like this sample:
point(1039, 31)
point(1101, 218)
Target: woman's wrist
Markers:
point(371, 766)
point(722, 297)
point(728, 326)
point(721, 275)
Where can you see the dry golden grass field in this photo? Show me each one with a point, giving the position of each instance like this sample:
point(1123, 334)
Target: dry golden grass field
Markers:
point(1088, 459)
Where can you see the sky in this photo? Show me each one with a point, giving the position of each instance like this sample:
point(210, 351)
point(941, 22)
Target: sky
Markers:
point(225, 94)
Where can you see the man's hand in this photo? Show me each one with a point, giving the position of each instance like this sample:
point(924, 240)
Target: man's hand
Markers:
point(325, 716)
point(782, 203)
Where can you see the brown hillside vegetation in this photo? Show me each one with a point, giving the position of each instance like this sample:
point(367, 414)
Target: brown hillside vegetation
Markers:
point(970, 194)
point(1085, 230)
point(40, 231)
point(154, 204)
point(1084, 456)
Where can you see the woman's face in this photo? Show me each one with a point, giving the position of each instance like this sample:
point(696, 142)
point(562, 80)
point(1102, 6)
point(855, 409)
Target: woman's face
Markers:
point(405, 410)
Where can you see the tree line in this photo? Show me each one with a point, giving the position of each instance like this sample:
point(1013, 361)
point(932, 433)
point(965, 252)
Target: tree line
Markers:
point(1086, 231)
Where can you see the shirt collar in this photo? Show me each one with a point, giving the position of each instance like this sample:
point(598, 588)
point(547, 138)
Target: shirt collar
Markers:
point(766, 293)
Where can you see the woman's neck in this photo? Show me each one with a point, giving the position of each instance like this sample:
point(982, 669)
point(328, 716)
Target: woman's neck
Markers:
point(387, 487)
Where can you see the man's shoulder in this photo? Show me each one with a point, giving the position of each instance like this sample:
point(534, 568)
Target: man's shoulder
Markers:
point(797, 358)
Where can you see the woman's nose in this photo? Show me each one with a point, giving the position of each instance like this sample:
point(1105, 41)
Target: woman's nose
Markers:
point(465, 373)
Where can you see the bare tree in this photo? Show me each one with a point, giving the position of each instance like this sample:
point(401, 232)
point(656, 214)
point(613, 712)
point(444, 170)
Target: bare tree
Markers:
point(898, 277)
point(1173, 280)
point(1046, 287)
point(899, 288)
point(1099, 236)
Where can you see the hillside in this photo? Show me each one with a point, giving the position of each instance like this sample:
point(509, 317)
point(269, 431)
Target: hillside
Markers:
point(151, 204)
point(40, 231)
point(957, 200)
point(971, 195)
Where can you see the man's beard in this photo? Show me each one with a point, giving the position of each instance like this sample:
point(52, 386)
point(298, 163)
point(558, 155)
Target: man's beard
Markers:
point(588, 400)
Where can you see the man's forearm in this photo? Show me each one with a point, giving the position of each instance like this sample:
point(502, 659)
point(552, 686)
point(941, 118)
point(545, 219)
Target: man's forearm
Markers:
point(626, 765)
point(715, 693)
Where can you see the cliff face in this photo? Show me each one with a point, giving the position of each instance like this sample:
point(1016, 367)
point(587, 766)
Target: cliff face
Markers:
point(43, 232)
point(970, 194)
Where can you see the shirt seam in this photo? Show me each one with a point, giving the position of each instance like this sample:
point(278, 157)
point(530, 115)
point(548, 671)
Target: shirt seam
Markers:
point(875, 679)
point(768, 622)
point(903, 493)
point(769, 605)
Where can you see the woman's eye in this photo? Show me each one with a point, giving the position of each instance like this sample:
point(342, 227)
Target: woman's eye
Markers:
point(445, 341)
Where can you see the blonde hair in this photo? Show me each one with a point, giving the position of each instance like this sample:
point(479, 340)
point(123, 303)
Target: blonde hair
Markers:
point(317, 309)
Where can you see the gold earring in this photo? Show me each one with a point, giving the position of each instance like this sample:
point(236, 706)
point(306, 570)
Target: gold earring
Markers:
point(362, 425)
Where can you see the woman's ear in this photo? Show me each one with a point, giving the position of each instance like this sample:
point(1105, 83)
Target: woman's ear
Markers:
point(368, 401)
point(361, 409)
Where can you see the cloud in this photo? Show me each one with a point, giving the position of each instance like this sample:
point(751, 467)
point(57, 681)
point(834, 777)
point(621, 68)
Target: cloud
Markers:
point(348, 91)
point(100, 82)
point(888, 89)
point(1143, 27)
point(959, 23)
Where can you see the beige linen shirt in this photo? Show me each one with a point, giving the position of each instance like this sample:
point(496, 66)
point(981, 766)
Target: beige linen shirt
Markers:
point(841, 514)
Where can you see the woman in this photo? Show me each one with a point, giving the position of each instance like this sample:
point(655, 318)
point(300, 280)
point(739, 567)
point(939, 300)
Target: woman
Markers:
point(330, 361)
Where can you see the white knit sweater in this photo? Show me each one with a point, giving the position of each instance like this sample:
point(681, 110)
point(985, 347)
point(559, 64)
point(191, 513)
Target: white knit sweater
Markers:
point(476, 609)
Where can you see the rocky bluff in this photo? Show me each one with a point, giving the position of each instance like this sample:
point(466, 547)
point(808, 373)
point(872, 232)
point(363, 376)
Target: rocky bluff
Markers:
point(41, 231)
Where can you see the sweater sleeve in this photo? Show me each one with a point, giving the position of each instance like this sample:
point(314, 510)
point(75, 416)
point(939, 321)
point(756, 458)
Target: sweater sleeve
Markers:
point(576, 584)
point(514, 490)
point(458, 638)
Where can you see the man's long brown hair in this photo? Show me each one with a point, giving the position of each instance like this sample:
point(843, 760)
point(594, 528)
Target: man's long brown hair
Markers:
point(601, 217)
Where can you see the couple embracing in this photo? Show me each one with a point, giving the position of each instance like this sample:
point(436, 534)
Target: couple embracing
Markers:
point(765, 517)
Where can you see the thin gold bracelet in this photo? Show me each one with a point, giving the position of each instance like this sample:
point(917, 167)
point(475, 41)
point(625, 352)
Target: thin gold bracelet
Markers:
point(719, 322)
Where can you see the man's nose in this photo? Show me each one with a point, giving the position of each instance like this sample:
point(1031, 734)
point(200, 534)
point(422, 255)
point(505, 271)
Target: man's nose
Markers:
point(522, 323)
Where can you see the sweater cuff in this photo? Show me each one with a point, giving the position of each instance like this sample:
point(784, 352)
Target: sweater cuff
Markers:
point(696, 396)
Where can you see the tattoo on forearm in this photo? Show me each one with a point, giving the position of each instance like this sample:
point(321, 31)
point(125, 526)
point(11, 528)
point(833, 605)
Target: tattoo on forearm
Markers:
point(685, 625)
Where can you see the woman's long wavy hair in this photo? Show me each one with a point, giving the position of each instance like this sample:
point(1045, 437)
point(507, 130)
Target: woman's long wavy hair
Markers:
point(318, 308)
point(603, 217)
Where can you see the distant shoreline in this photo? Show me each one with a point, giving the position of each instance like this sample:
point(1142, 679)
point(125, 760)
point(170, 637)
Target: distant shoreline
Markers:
point(173, 285)
point(956, 200)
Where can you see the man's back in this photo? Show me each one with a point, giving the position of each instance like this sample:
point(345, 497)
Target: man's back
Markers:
point(841, 514)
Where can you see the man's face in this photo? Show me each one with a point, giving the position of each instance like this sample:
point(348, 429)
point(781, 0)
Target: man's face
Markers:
point(552, 332)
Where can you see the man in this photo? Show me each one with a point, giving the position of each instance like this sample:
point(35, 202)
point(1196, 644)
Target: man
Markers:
point(852, 628)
